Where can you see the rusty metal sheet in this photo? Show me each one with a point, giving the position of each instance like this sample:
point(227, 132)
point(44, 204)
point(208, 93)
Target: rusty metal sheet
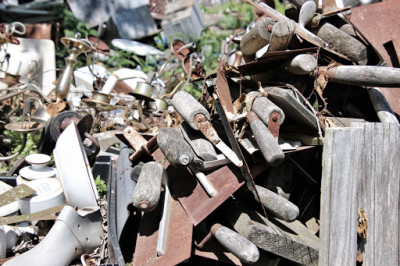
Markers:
point(16, 193)
point(329, 8)
point(223, 91)
point(145, 149)
point(379, 24)
point(135, 139)
point(194, 199)
point(274, 123)
point(179, 240)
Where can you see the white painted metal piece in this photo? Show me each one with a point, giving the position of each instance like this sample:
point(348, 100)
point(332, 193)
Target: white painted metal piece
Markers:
point(73, 169)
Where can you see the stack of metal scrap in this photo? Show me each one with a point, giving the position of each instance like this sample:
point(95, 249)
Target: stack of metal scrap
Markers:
point(238, 181)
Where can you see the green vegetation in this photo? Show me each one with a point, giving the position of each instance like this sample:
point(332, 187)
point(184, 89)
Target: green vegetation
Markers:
point(280, 7)
point(236, 15)
point(16, 141)
point(100, 186)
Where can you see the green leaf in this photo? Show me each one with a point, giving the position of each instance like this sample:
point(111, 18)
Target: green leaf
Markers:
point(100, 185)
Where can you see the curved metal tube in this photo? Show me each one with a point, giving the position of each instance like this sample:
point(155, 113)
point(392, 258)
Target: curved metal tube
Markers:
point(2, 159)
point(27, 88)
point(37, 99)
point(13, 28)
point(95, 142)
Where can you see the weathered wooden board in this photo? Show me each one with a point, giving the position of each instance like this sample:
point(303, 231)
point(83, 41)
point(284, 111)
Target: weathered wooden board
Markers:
point(360, 171)
point(378, 193)
point(341, 163)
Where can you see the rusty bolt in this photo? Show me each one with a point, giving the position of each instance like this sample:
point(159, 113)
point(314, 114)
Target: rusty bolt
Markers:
point(144, 205)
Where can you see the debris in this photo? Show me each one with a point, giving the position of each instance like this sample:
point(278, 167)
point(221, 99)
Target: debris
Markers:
point(248, 171)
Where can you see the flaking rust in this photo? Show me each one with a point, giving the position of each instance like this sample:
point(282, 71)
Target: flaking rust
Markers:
point(179, 237)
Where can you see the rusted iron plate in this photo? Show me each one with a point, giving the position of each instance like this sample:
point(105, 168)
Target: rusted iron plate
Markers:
point(99, 45)
point(135, 139)
point(179, 239)
point(274, 123)
point(223, 91)
point(16, 193)
point(329, 6)
point(379, 24)
point(270, 60)
point(144, 149)
point(179, 50)
point(194, 199)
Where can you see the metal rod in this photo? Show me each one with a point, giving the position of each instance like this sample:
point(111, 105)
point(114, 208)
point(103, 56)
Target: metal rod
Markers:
point(163, 227)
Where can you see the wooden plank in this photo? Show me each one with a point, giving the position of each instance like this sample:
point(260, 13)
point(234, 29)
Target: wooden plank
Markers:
point(360, 170)
point(379, 192)
point(340, 175)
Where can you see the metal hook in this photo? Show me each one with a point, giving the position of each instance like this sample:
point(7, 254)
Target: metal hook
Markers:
point(14, 28)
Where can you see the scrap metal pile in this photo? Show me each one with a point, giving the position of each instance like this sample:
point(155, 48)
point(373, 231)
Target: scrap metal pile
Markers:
point(233, 176)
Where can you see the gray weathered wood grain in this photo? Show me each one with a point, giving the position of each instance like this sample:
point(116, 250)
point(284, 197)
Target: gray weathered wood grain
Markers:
point(381, 106)
point(257, 37)
point(360, 170)
point(341, 162)
point(296, 244)
point(148, 188)
point(281, 35)
point(301, 64)
point(344, 43)
point(378, 195)
point(372, 76)
point(276, 204)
